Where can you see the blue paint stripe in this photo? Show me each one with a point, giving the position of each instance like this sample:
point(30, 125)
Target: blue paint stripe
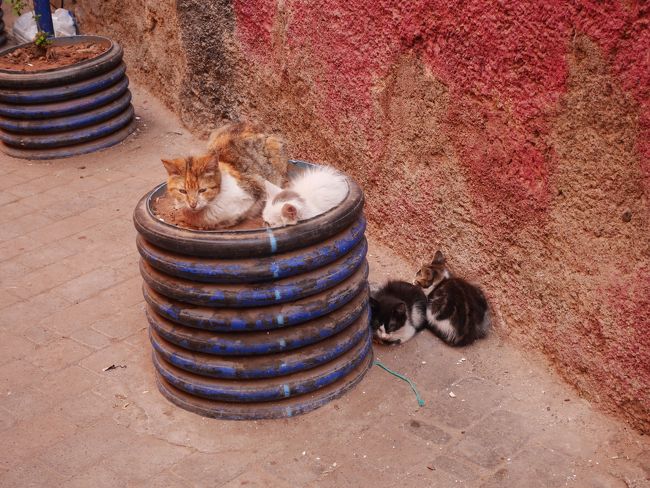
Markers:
point(272, 240)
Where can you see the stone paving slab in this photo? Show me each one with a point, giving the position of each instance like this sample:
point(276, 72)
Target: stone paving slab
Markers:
point(71, 305)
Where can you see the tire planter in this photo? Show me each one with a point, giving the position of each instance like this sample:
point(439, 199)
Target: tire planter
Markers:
point(256, 324)
point(66, 111)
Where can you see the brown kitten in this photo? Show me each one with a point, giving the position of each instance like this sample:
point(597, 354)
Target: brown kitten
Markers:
point(251, 150)
point(211, 194)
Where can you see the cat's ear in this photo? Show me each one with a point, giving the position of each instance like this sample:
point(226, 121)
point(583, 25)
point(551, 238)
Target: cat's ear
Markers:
point(439, 258)
point(212, 163)
point(174, 167)
point(289, 211)
point(271, 190)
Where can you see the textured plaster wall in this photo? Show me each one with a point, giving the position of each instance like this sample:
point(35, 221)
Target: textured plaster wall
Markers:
point(513, 135)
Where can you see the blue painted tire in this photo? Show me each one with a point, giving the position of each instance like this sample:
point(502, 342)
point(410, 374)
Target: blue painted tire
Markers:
point(288, 407)
point(262, 342)
point(252, 270)
point(246, 244)
point(68, 107)
point(66, 111)
point(69, 122)
point(68, 74)
point(262, 294)
point(263, 366)
point(258, 318)
point(75, 150)
point(71, 137)
point(266, 389)
point(283, 327)
point(65, 92)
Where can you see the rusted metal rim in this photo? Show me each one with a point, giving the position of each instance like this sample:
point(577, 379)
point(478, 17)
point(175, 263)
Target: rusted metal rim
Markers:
point(289, 407)
point(254, 270)
point(251, 343)
point(257, 295)
point(267, 389)
point(247, 243)
point(68, 74)
point(260, 318)
point(267, 366)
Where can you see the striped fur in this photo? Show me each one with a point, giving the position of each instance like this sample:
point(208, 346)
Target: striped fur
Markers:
point(457, 311)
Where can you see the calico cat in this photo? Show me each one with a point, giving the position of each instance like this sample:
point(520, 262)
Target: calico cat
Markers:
point(311, 193)
point(457, 311)
point(397, 312)
point(251, 150)
point(226, 186)
point(211, 194)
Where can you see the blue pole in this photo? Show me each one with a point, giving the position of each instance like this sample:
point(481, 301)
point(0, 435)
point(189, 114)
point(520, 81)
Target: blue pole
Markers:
point(44, 16)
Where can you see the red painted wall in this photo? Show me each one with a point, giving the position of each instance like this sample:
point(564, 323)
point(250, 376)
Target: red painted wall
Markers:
point(514, 135)
point(519, 126)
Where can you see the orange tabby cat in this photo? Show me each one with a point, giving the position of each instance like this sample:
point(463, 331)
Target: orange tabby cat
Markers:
point(226, 186)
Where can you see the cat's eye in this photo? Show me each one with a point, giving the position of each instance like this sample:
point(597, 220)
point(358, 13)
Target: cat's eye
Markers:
point(202, 190)
point(184, 192)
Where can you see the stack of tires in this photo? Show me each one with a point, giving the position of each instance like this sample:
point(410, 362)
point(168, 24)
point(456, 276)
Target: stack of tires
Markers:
point(257, 324)
point(66, 111)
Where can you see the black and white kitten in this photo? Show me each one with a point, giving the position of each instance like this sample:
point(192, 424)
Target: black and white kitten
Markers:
point(457, 311)
point(398, 312)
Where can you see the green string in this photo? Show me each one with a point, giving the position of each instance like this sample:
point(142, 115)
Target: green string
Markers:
point(415, 390)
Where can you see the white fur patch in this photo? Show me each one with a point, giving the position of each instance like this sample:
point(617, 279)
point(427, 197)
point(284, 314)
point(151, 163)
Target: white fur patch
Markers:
point(443, 327)
point(319, 189)
point(417, 318)
point(231, 203)
point(429, 290)
point(401, 335)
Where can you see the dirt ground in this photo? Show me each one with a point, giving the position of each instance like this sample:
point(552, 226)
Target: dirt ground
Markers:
point(71, 306)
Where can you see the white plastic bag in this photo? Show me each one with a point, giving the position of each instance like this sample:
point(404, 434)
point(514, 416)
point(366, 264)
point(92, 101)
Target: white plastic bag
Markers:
point(25, 27)
point(63, 23)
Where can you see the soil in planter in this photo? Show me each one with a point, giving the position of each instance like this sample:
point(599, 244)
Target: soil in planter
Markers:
point(31, 58)
point(163, 209)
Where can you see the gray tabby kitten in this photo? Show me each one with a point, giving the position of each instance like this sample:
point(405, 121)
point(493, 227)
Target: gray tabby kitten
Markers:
point(457, 311)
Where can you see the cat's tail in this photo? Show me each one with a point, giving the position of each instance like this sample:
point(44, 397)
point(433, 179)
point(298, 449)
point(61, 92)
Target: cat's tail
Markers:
point(483, 327)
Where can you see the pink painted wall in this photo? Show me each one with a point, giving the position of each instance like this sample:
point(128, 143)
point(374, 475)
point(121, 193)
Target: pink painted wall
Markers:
point(541, 112)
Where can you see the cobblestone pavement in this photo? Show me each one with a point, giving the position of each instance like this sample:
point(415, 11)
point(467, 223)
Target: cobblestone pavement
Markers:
point(71, 306)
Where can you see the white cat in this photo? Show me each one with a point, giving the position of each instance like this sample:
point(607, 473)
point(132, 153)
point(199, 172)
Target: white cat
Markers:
point(314, 191)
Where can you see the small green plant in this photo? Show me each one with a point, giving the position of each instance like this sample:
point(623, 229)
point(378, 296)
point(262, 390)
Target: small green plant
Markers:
point(42, 40)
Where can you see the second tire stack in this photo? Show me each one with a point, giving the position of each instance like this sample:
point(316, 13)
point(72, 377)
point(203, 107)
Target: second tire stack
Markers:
point(257, 324)
point(69, 110)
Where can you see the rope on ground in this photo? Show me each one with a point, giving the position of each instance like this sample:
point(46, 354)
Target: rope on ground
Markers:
point(412, 385)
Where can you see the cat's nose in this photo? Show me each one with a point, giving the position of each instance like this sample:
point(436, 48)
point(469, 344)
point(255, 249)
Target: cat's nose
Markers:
point(193, 204)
